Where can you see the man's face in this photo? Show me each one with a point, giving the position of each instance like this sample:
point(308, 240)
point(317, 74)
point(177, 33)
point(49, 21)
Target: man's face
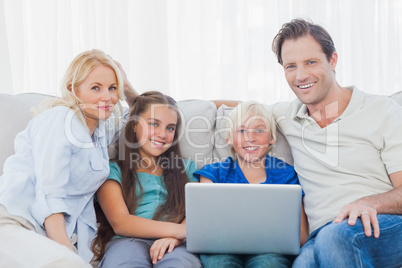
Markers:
point(308, 71)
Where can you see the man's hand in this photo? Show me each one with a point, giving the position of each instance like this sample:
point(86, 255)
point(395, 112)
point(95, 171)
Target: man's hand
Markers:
point(367, 213)
point(160, 246)
point(368, 207)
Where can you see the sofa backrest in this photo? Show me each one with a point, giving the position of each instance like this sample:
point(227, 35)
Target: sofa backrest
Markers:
point(202, 140)
point(196, 141)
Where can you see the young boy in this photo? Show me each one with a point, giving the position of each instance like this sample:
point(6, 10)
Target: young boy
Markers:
point(250, 133)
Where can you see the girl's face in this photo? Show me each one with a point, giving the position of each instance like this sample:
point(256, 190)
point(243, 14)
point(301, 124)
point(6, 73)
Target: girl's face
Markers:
point(155, 130)
point(252, 139)
point(98, 93)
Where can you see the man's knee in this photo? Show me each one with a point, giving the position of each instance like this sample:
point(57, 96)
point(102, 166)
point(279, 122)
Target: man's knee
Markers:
point(339, 234)
point(306, 256)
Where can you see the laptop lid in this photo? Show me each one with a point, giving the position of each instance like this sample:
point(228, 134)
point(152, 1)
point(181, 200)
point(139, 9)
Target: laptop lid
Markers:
point(243, 218)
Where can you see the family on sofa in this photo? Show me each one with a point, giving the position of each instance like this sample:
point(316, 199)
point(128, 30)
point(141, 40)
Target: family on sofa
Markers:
point(344, 143)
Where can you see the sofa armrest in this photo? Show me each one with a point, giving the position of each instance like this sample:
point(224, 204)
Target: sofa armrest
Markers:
point(14, 117)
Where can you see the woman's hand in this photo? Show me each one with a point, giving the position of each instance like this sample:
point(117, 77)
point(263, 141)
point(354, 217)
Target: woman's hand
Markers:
point(56, 229)
point(160, 246)
point(129, 90)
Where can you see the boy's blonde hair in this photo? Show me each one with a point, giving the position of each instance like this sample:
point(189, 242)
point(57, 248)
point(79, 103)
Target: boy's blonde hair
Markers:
point(244, 111)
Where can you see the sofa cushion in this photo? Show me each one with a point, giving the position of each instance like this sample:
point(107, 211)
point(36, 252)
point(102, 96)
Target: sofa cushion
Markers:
point(397, 97)
point(196, 139)
point(14, 117)
point(280, 149)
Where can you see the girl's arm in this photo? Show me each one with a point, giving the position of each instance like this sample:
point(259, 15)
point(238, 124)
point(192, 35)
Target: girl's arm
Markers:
point(111, 200)
point(160, 246)
point(303, 227)
point(56, 229)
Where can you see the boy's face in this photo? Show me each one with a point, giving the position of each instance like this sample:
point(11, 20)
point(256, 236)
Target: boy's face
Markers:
point(252, 140)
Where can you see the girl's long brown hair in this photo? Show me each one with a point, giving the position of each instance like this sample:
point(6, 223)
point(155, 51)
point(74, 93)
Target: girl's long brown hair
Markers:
point(171, 162)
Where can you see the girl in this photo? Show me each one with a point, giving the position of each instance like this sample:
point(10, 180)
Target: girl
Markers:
point(143, 198)
point(60, 160)
point(251, 132)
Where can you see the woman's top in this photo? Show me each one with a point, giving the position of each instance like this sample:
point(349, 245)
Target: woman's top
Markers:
point(57, 167)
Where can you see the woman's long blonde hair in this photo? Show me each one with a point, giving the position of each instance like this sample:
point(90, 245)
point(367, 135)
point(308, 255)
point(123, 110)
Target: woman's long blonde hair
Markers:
point(76, 73)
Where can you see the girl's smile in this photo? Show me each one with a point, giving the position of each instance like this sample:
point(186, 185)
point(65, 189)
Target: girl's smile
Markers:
point(155, 130)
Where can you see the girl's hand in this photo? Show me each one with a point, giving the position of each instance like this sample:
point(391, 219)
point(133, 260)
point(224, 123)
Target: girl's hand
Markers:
point(160, 246)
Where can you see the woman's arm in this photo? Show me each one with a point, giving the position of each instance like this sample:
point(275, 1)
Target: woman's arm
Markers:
point(303, 227)
point(56, 229)
point(111, 200)
point(129, 90)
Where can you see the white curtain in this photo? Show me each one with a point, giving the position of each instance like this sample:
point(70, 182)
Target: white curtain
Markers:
point(207, 49)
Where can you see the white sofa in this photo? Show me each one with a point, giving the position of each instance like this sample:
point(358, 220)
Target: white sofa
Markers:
point(202, 141)
point(202, 138)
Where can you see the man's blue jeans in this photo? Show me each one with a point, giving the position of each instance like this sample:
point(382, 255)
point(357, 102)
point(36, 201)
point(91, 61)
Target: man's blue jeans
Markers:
point(342, 245)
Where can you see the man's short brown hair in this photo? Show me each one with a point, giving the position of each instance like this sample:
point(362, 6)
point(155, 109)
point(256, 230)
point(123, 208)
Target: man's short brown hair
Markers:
point(298, 28)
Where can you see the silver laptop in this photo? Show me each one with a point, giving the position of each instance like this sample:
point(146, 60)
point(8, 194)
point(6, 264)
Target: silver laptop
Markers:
point(243, 218)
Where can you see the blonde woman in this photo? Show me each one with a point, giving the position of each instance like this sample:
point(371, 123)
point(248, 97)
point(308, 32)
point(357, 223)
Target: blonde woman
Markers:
point(60, 160)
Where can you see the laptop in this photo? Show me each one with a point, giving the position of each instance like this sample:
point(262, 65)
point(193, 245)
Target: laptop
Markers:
point(243, 218)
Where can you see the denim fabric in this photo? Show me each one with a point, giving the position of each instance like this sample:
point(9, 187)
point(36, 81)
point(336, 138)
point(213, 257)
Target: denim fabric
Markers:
point(249, 261)
point(342, 245)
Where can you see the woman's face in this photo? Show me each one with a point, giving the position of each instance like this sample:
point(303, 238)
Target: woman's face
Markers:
point(98, 94)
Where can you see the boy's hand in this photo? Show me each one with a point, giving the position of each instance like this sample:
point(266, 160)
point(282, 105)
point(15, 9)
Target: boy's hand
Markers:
point(160, 246)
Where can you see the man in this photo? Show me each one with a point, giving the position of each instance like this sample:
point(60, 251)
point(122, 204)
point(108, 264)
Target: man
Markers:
point(347, 149)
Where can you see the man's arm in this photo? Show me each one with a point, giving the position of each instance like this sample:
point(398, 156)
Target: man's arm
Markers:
point(368, 207)
point(229, 103)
